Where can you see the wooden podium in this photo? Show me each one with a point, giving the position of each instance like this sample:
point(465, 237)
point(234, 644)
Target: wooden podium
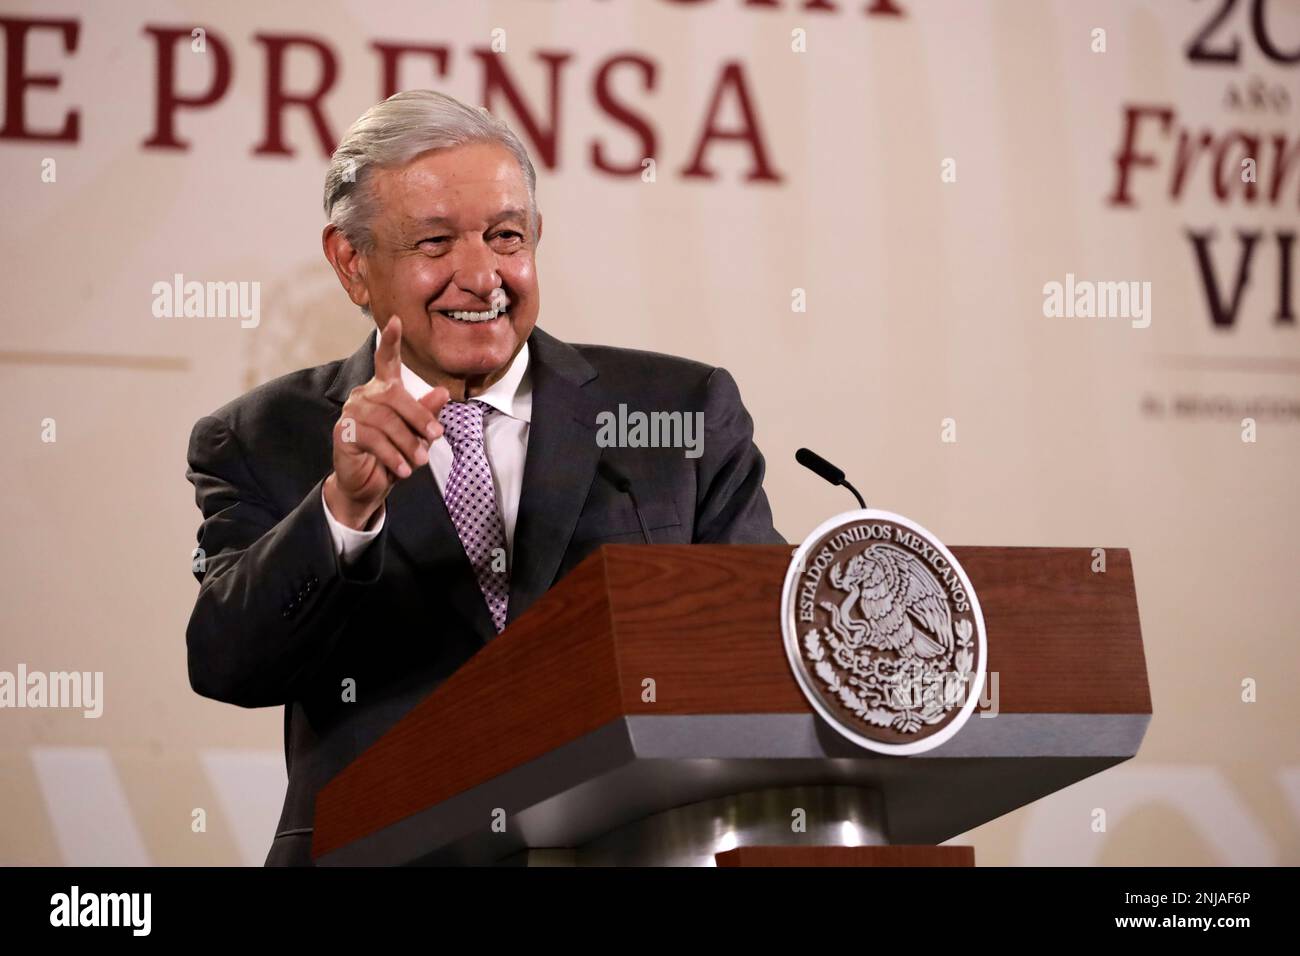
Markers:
point(643, 712)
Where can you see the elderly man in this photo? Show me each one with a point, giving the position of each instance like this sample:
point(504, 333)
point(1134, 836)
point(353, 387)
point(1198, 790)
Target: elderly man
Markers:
point(370, 523)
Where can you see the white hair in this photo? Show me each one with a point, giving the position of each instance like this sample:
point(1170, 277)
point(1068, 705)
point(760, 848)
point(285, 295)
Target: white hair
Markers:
point(394, 132)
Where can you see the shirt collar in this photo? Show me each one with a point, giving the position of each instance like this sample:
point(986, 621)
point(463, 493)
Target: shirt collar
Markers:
point(511, 394)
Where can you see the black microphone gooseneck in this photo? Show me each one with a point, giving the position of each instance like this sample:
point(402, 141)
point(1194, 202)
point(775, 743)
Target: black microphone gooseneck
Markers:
point(624, 485)
point(820, 466)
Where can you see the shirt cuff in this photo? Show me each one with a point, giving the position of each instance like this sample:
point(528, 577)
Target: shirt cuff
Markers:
point(348, 542)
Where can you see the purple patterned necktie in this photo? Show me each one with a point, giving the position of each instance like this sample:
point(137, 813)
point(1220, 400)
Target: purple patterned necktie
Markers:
point(472, 502)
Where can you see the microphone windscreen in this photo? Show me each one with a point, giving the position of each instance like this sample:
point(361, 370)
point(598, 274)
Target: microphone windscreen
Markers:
point(819, 465)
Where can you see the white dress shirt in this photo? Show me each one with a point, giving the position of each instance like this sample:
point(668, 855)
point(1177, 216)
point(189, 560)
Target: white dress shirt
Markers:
point(505, 440)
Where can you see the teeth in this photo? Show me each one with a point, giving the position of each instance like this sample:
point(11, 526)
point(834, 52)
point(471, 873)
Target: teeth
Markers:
point(475, 316)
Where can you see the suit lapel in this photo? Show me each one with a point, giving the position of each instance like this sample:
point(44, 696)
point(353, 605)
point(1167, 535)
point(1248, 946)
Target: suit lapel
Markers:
point(559, 468)
point(558, 472)
point(417, 518)
point(421, 526)
point(357, 369)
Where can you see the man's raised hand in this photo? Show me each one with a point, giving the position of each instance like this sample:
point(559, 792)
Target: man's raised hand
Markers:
point(381, 437)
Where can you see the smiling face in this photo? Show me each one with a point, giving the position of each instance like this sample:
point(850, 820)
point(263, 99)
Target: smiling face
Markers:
point(452, 243)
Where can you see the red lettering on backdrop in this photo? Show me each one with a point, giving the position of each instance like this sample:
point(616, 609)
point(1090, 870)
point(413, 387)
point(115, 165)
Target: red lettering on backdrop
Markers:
point(497, 80)
point(883, 8)
point(1226, 174)
point(1128, 156)
point(166, 100)
point(615, 110)
point(277, 99)
point(540, 124)
point(874, 8)
point(1202, 156)
point(17, 80)
point(733, 78)
point(390, 53)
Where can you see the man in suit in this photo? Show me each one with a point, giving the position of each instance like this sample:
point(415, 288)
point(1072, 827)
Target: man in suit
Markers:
point(371, 523)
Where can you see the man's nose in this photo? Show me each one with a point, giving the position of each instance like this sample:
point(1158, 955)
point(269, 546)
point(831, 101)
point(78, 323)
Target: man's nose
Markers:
point(476, 270)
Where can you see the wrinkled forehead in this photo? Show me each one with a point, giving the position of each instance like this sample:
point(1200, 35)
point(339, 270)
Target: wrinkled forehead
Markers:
point(467, 186)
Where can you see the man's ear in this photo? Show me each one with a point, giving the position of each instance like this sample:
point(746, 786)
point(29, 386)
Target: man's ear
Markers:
point(348, 263)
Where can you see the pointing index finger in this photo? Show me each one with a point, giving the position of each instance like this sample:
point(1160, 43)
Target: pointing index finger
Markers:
point(388, 357)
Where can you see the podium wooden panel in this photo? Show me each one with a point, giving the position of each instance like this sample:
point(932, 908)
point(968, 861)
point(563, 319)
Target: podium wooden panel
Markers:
point(548, 722)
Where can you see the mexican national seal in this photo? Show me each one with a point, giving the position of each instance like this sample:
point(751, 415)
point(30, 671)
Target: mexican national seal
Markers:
point(884, 632)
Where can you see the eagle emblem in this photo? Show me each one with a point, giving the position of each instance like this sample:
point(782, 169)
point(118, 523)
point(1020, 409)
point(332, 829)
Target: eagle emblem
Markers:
point(902, 607)
point(884, 632)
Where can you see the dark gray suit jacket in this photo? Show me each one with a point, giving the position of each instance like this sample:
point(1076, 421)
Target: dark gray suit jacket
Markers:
point(279, 621)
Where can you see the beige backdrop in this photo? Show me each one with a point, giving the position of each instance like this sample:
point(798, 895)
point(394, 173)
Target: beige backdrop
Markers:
point(924, 303)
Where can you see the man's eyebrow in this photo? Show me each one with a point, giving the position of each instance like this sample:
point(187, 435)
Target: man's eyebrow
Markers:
point(510, 212)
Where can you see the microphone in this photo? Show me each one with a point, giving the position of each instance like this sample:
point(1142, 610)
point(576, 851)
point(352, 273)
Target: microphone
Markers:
point(623, 484)
point(820, 466)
